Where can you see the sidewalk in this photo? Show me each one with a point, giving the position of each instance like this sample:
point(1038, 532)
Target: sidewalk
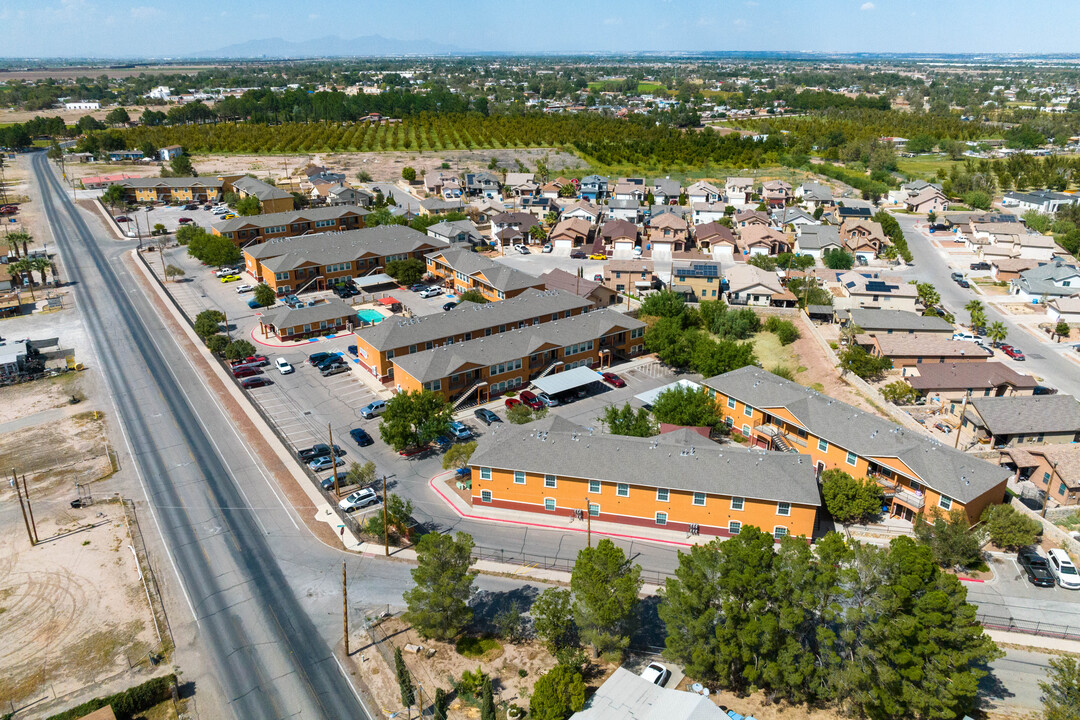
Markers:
point(1035, 642)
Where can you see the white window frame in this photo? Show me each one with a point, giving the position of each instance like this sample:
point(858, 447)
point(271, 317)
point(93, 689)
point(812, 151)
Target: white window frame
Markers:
point(597, 485)
point(820, 442)
point(485, 473)
point(783, 509)
point(485, 496)
point(658, 517)
point(746, 430)
point(731, 403)
point(748, 411)
point(622, 490)
point(852, 459)
point(550, 481)
point(777, 534)
point(550, 501)
point(740, 506)
point(595, 506)
point(666, 497)
point(945, 502)
point(698, 495)
point(734, 527)
point(519, 477)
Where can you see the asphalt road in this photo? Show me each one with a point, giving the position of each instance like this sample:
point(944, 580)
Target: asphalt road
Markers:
point(1043, 359)
point(265, 654)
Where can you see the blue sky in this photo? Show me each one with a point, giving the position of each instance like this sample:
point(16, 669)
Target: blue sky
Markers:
point(123, 28)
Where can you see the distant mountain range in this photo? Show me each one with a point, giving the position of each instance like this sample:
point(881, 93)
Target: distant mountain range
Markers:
point(329, 46)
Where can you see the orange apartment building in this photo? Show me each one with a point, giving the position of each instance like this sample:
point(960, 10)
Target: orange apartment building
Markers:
point(170, 190)
point(271, 199)
point(485, 367)
point(260, 228)
point(314, 262)
point(556, 468)
point(916, 472)
point(464, 270)
point(378, 345)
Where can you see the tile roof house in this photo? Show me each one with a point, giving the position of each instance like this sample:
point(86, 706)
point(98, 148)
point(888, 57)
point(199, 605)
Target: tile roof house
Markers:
point(626, 276)
point(738, 191)
point(814, 194)
point(697, 280)
point(482, 183)
point(247, 228)
point(1020, 420)
point(571, 233)
point(593, 187)
point(747, 218)
point(762, 240)
point(928, 200)
point(596, 293)
point(465, 270)
point(1064, 309)
point(1005, 269)
point(665, 190)
point(521, 223)
point(439, 206)
point(627, 191)
point(668, 233)
point(776, 193)
point(271, 199)
point(714, 235)
point(751, 285)
point(919, 348)
point(619, 235)
point(1045, 201)
point(952, 381)
point(863, 238)
point(1055, 279)
point(793, 217)
point(704, 192)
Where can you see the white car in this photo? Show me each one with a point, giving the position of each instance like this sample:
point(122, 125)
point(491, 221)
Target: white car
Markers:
point(325, 463)
point(359, 499)
point(637, 252)
point(1063, 569)
point(523, 250)
point(547, 247)
point(241, 289)
point(965, 336)
point(656, 673)
point(430, 292)
point(283, 366)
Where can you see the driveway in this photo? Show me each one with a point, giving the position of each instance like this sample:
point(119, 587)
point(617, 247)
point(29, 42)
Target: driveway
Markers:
point(1009, 595)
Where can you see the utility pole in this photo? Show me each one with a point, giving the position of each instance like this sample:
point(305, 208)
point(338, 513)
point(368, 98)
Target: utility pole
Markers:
point(345, 606)
point(29, 509)
point(960, 422)
point(333, 455)
point(588, 521)
point(229, 333)
point(15, 481)
point(385, 527)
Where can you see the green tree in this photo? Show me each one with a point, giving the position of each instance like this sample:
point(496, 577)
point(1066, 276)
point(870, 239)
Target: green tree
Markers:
point(626, 421)
point(672, 342)
point(54, 152)
point(808, 291)
point(978, 199)
point(553, 619)
point(414, 419)
point(248, 206)
point(559, 693)
point(239, 349)
point(213, 250)
point(856, 360)
point(171, 271)
point(848, 499)
point(1061, 689)
point(473, 296)
point(927, 294)
point(691, 609)
point(510, 623)
point(1062, 329)
point(997, 332)
point(948, 538)
point(977, 314)
point(899, 393)
point(363, 176)
point(398, 518)
point(487, 701)
point(114, 195)
point(362, 474)
point(735, 324)
point(837, 259)
point(687, 406)
point(458, 455)
point(605, 586)
point(1009, 529)
point(404, 678)
point(442, 703)
point(207, 323)
point(117, 116)
point(408, 174)
point(264, 295)
point(180, 166)
point(217, 343)
point(664, 304)
point(438, 606)
point(1037, 221)
point(407, 272)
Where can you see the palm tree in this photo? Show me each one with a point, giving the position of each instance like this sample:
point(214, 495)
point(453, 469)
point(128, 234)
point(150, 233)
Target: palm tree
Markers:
point(12, 240)
point(42, 265)
point(20, 236)
point(978, 315)
point(22, 267)
point(997, 332)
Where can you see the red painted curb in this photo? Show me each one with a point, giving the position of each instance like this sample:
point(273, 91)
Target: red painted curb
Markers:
point(431, 484)
point(966, 579)
point(301, 344)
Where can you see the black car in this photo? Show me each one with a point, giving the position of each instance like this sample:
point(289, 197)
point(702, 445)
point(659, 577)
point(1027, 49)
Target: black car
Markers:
point(352, 350)
point(332, 361)
point(317, 451)
point(360, 437)
point(449, 306)
point(1036, 567)
point(344, 291)
point(963, 283)
point(319, 357)
point(486, 416)
point(980, 266)
point(1044, 390)
point(577, 255)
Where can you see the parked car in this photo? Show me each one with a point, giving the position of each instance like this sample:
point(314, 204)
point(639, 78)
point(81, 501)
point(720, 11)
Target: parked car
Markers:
point(331, 361)
point(253, 303)
point(957, 276)
point(316, 358)
point(342, 481)
point(485, 416)
point(343, 291)
point(207, 207)
point(291, 300)
point(522, 249)
point(449, 306)
point(373, 409)
point(980, 266)
point(351, 350)
point(1063, 569)
point(511, 402)
point(222, 272)
point(656, 673)
point(228, 216)
point(229, 278)
point(191, 206)
point(963, 335)
point(598, 278)
point(361, 437)
point(547, 399)
point(430, 292)
point(614, 380)
point(359, 499)
point(243, 371)
point(460, 431)
point(963, 283)
point(325, 463)
point(241, 289)
point(283, 366)
point(254, 382)
point(577, 254)
point(257, 360)
point(122, 219)
point(597, 256)
point(334, 369)
point(547, 248)
point(1014, 353)
point(317, 451)
point(1044, 390)
point(530, 399)
point(185, 220)
point(1035, 566)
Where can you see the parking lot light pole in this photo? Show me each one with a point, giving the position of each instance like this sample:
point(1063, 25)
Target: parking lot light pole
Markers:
point(385, 528)
point(588, 521)
point(333, 458)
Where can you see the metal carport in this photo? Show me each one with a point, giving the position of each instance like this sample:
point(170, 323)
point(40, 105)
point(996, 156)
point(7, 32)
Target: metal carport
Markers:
point(567, 380)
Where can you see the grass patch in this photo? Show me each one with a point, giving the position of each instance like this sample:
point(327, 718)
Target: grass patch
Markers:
point(926, 167)
point(479, 647)
point(771, 353)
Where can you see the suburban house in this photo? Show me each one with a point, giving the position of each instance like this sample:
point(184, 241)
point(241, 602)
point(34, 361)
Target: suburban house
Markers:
point(1010, 240)
point(668, 233)
point(676, 480)
point(324, 318)
point(865, 239)
point(173, 190)
point(169, 152)
point(319, 173)
point(746, 218)
point(751, 285)
point(582, 210)
point(913, 349)
point(1045, 201)
point(539, 206)
point(312, 262)
point(713, 235)
point(483, 184)
point(666, 191)
point(593, 188)
point(439, 206)
point(944, 382)
point(484, 368)
point(482, 210)
point(625, 190)
point(271, 199)
point(464, 270)
point(619, 235)
point(762, 240)
point(628, 696)
point(1054, 468)
point(791, 217)
point(910, 190)
point(704, 192)
point(894, 322)
point(854, 290)
point(1064, 309)
point(1055, 279)
point(260, 228)
point(776, 193)
point(702, 212)
point(341, 194)
point(456, 231)
point(1020, 420)
point(816, 240)
point(628, 210)
point(125, 155)
point(928, 200)
point(738, 191)
point(444, 184)
point(595, 292)
point(522, 222)
point(377, 345)
point(814, 195)
point(916, 472)
point(697, 280)
point(1006, 269)
point(630, 276)
point(571, 233)
point(521, 184)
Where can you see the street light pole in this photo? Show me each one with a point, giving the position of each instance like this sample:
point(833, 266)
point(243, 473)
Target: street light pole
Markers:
point(588, 521)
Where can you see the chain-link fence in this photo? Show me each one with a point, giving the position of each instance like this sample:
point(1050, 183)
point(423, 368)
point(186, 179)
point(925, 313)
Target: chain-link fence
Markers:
point(1029, 627)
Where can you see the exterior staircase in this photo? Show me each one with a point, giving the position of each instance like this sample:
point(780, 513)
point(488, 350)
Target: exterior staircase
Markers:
point(463, 400)
point(547, 370)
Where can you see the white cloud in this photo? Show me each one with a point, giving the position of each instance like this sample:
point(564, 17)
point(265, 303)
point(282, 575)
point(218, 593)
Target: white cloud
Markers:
point(867, 6)
point(613, 21)
point(739, 23)
point(314, 16)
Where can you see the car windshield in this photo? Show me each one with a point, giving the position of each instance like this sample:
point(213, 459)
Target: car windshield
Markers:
point(1068, 570)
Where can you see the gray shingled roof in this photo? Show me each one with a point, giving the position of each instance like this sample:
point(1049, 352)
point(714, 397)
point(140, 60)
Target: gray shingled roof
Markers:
point(1026, 414)
point(626, 696)
point(945, 470)
point(332, 212)
point(333, 247)
point(260, 189)
point(560, 447)
point(816, 237)
point(444, 361)
point(1040, 280)
point(499, 276)
point(872, 320)
point(469, 317)
point(961, 376)
point(287, 317)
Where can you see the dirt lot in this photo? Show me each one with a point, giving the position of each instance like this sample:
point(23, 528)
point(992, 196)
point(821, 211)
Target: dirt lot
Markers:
point(18, 401)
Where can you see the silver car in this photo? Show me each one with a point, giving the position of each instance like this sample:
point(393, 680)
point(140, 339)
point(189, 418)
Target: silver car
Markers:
point(359, 499)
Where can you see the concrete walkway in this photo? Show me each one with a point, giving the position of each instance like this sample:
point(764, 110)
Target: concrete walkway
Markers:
point(43, 416)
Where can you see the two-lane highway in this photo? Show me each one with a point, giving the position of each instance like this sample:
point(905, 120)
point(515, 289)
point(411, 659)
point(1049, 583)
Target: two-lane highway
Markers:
point(264, 653)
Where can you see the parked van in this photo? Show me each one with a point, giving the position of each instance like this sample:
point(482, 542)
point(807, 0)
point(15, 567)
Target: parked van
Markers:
point(1064, 570)
point(966, 336)
point(373, 409)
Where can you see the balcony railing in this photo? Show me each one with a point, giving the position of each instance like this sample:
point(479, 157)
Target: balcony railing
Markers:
point(895, 490)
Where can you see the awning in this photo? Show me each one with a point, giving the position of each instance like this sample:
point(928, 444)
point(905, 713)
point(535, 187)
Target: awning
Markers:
point(388, 301)
point(371, 280)
point(649, 397)
point(567, 380)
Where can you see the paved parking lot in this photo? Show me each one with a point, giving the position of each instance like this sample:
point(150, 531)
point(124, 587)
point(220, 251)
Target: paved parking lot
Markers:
point(1010, 595)
point(167, 215)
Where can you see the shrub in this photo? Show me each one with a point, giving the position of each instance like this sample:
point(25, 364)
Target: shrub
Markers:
point(899, 392)
point(1009, 529)
point(558, 693)
point(850, 500)
point(239, 349)
point(217, 343)
point(127, 704)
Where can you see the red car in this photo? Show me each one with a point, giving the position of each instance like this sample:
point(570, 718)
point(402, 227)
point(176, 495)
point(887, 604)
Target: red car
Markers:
point(531, 400)
point(511, 402)
point(614, 380)
point(254, 382)
point(122, 218)
point(8, 209)
point(259, 360)
point(185, 220)
point(245, 371)
point(1012, 352)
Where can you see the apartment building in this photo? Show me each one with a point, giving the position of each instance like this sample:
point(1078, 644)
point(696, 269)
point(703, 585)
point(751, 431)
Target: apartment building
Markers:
point(170, 190)
point(378, 345)
point(300, 323)
point(261, 228)
point(271, 199)
point(464, 270)
point(314, 262)
point(486, 367)
point(676, 481)
point(916, 472)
